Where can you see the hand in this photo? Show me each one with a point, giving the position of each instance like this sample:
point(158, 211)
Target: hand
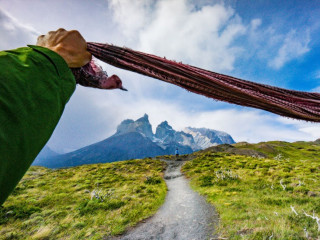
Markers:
point(68, 44)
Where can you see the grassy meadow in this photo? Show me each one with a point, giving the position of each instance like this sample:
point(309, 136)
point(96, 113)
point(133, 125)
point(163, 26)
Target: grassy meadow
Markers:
point(273, 196)
point(87, 202)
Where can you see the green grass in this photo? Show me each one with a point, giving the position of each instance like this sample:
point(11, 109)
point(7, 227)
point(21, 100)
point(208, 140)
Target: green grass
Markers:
point(57, 204)
point(247, 193)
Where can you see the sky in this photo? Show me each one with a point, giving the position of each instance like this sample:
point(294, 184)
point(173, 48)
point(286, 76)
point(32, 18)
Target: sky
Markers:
point(271, 42)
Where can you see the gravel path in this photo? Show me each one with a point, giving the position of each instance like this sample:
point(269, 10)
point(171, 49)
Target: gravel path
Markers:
point(184, 215)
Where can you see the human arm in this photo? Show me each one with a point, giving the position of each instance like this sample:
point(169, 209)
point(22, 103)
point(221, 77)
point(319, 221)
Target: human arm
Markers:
point(35, 85)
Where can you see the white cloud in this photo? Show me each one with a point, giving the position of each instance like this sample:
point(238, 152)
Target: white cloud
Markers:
point(131, 16)
point(204, 36)
point(13, 33)
point(317, 74)
point(274, 45)
point(316, 89)
point(295, 44)
point(310, 129)
point(93, 115)
point(178, 30)
point(255, 23)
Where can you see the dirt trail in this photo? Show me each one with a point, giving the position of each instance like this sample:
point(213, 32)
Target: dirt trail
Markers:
point(184, 215)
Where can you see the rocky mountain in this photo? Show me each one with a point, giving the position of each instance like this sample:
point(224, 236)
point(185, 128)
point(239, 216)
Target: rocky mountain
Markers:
point(135, 139)
point(166, 135)
point(142, 126)
point(196, 138)
point(205, 138)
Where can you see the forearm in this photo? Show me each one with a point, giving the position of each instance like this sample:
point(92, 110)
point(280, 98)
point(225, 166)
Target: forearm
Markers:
point(35, 85)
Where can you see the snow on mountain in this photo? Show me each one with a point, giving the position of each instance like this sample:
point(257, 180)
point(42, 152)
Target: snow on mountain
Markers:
point(165, 134)
point(135, 139)
point(195, 138)
point(205, 138)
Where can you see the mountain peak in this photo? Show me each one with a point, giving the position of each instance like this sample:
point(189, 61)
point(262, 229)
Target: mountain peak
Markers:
point(165, 124)
point(135, 139)
point(164, 131)
point(141, 125)
point(145, 118)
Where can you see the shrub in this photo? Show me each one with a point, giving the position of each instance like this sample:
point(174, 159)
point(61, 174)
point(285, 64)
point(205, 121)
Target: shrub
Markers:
point(16, 212)
point(153, 180)
point(91, 206)
point(79, 225)
point(206, 181)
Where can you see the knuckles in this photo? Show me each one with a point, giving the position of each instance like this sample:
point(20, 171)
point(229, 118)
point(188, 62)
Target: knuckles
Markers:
point(40, 37)
point(74, 32)
point(69, 44)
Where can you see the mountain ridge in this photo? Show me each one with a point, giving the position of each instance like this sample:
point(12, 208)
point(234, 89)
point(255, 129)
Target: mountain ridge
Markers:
point(135, 139)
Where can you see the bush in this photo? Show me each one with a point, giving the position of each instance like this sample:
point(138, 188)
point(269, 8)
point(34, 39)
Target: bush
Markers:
point(16, 212)
point(79, 225)
point(206, 181)
point(152, 180)
point(91, 206)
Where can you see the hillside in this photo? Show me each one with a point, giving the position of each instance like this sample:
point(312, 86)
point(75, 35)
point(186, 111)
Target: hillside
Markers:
point(131, 145)
point(88, 202)
point(261, 191)
point(45, 155)
point(268, 190)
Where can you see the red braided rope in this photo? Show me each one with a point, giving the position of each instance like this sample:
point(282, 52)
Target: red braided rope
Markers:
point(289, 103)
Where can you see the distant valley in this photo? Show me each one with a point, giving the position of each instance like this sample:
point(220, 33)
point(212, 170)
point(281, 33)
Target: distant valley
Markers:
point(135, 139)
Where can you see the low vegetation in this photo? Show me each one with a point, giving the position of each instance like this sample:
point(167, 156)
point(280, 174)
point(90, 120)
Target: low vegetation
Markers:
point(87, 202)
point(274, 194)
point(261, 191)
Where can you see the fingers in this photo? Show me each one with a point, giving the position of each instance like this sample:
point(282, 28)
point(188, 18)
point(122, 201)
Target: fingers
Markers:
point(57, 31)
point(40, 37)
point(87, 58)
point(75, 32)
point(40, 40)
point(69, 44)
point(76, 35)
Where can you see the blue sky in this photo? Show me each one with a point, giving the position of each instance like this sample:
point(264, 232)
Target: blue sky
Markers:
point(271, 42)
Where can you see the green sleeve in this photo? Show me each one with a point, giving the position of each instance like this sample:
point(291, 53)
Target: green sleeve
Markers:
point(35, 85)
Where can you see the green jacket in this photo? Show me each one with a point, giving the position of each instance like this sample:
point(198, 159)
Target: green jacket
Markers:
point(35, 85)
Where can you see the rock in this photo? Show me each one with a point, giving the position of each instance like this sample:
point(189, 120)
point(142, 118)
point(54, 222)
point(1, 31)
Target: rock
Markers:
point(241, 144)
point(169, 139)
point(9, 213)
point(141, 125)
point(165, 132)
point(233, 150)
point(313, 194)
